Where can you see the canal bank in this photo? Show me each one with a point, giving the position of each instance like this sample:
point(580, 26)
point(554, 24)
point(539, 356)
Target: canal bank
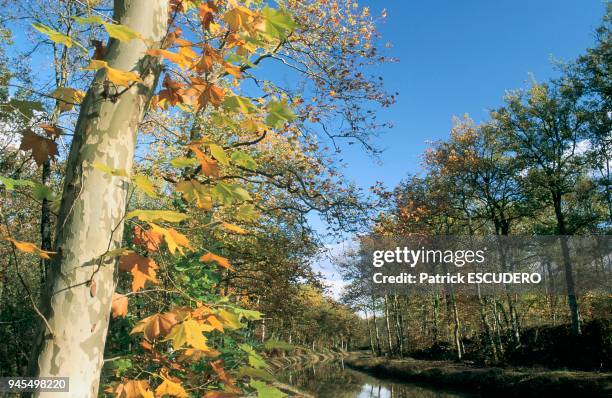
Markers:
point(486, 381)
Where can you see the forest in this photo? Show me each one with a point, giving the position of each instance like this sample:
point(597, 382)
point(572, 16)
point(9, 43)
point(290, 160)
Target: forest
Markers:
point(161, 164)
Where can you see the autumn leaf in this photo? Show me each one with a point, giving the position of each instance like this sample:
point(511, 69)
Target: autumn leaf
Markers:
point(28, 247)
point(133, 389)
point(222, 261)
point(179, 59)
point(233, 228)
point(172, 389)
point(109, 170)
point(219, 154)
point(157, 325)
point(175, 240)
point(194, 355)
point(119, 305)
point(238, 18)
point(209, 57)
point(50, 130)
point(209, 166)
point(194, 191)
point(157, 215)
point(145, 185)
point(56, 36)
point(206, 12)
point(42, 148)
point(150, 239)
point(120, 32)
point(230, 384)
point(116, 76)
point(142, 269)
point(189, 332)
point(230, 320)
point(67, 97)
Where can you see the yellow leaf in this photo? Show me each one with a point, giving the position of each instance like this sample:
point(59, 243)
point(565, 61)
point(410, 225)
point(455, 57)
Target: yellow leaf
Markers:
point(172, 389)
point(116, 76)
point(67, 97)
point(233, 228)
point(145, 185)
point(222, 261)
point(194, 191)
point(109, 170)
point(189, 332)
point(157, 215)
point(28, 247)
point(219, 154)
point(238, 18)
point(230, 320)
point(120, 32)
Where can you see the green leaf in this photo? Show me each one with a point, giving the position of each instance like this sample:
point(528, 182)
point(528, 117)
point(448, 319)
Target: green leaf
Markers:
point(247, 371)
point(266, 391)
point(243, 159)
point(279, 114)
point(249, 314)
point(219, 154)
point(255, 360)
point(120, 32)
point(10, 184)
point(54, 35)
point(236, 103)
point(26, 109)
point(278, 23)
point(182, 162)
point(229, 193)
point(246, 212)
point(145, 185)
point(157, 215)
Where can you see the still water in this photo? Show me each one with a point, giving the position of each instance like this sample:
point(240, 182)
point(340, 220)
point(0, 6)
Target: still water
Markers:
point(333, 380)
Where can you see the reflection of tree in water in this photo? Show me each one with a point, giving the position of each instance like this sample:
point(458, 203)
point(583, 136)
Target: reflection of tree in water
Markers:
point(331, 380)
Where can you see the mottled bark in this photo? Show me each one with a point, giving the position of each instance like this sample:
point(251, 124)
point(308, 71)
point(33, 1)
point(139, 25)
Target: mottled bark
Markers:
point(81, 282)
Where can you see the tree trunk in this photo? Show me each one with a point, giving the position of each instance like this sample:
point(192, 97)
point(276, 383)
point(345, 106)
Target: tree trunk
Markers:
point(567, 264)
point(81, 282)
point(388, 325)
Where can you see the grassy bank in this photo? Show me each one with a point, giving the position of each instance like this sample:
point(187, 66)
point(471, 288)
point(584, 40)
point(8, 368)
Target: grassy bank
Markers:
point(487, 380)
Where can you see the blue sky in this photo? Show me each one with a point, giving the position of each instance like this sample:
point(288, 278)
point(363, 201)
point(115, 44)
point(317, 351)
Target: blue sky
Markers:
point(461, 57)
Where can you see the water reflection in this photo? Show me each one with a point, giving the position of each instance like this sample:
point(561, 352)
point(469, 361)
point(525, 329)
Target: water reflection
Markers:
point(333, 380)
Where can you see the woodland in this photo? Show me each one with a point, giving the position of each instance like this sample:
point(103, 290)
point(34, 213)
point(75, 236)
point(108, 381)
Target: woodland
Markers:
point(160, 163)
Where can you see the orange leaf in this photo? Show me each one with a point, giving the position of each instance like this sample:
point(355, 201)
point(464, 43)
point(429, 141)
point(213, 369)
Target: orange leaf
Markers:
point(174, 239)
point(233, 70)
point(207, 11)
point(210, 167)
point(222, 261)
point(42, 148)
point(52, 131)
point(220, 394)
point(224, 377)
point(28, 247)
point(142, 269)
point(150, 239)
point(119, 305)
point(156, 325)
point(233, 228)
point(209, 57)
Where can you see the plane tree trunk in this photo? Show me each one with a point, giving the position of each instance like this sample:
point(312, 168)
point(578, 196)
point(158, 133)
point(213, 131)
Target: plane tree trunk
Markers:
point(81, 282)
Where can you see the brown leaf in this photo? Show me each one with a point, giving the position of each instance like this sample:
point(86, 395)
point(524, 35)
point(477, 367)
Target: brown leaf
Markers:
point(157, 325)
point(207, 11)
point(28, 247)
point(119, 305)
point(93, 288)
point(42, 148)
point(100, 49)
point(142, 269)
